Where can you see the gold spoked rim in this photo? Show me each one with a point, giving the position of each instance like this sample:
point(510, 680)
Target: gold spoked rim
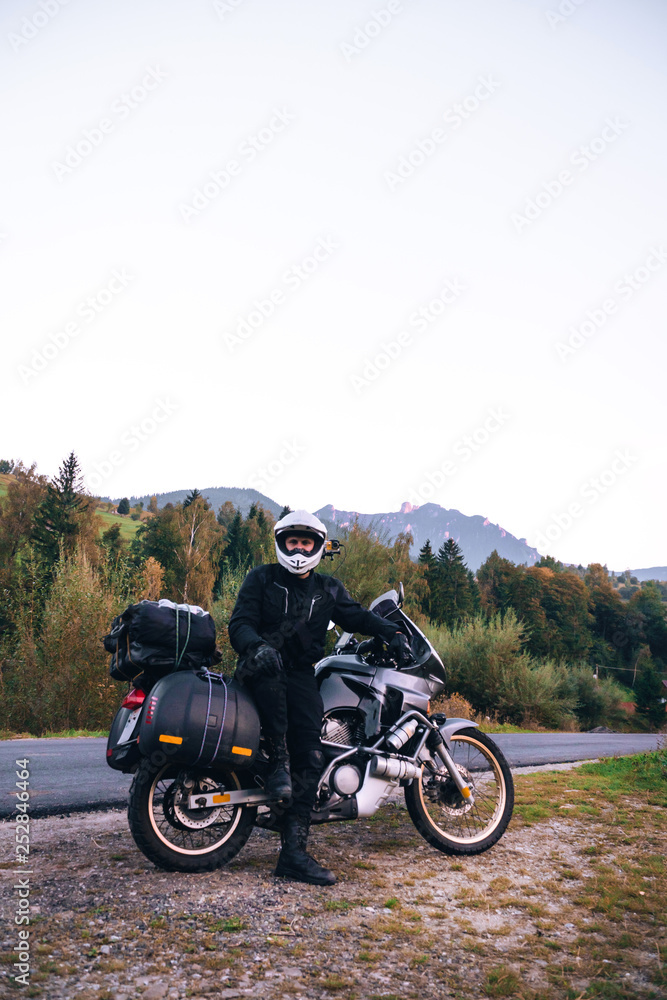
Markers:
point(194, 841)
point(449, 813)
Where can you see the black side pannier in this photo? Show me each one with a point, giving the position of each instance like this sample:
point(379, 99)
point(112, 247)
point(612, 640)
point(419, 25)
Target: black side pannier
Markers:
point(199, 718)
point(154, 638)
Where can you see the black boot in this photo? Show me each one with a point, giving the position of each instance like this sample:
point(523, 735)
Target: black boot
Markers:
point(278, 781)
point(293, 862)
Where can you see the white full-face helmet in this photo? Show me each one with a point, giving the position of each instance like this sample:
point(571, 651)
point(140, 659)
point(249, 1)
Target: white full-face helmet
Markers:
point(300, 522)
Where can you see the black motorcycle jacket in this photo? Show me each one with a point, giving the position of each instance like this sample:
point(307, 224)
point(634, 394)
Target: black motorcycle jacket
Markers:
point(292, 615)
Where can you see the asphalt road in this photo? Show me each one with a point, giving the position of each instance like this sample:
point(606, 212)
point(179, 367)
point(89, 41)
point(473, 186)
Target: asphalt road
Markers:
point(73, 776)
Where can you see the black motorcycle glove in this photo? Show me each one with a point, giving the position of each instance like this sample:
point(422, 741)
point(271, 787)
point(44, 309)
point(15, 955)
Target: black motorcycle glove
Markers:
point(399, 650)
point(260, 661)
point(266, 662)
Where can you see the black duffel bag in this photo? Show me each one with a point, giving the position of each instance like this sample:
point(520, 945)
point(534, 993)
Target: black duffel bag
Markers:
point(154, 638)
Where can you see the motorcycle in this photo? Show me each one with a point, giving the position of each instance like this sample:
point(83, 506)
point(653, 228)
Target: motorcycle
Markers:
point(377, 735)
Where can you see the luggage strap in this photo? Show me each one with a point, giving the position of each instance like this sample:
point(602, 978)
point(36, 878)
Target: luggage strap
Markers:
point(178, 658)
point(218, 677)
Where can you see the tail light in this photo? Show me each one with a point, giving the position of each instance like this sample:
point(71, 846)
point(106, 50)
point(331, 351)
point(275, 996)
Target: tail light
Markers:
point(134, 699)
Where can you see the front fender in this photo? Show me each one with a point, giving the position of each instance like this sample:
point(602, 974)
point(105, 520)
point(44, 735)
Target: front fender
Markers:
point(451, 726)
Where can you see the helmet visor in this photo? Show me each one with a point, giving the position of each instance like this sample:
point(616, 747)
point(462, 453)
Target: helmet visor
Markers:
point(282, 536)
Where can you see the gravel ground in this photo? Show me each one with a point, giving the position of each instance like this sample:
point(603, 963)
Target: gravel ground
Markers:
point(107, 924)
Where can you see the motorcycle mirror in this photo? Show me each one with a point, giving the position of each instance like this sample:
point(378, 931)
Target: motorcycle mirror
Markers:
point(401, 594)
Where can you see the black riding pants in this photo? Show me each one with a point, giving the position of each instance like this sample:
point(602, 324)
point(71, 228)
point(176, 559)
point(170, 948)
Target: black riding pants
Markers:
point(290, 704)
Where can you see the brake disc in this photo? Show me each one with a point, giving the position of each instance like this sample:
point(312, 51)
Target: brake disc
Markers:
point(179, 814)
point(441, 789)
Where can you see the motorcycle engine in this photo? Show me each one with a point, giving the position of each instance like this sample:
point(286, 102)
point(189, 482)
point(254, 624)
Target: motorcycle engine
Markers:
point(345, 728)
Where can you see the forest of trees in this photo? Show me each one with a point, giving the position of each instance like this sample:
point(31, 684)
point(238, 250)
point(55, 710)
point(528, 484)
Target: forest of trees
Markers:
point(516, 639)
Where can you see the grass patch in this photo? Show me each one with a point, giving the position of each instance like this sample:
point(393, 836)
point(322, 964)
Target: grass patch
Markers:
point(337, 905)
point(501, 982)
point(62, 734)
point(334, 982)
point(583, 792)
point(644, 772)
point(227, 926)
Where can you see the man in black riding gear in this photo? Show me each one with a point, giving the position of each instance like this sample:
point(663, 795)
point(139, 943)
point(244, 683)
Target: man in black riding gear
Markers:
point(278, 628)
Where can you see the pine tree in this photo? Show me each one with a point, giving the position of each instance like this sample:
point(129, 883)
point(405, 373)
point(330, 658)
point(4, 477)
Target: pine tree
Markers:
point(259, 536)
point(124, 506)
point(58, 518)
point(284, 512)
point(237, 550)
point(475, 596)
point(453, 597)
point(428, 561)
point(226, 514)
point(191, 497)
point(494, 579)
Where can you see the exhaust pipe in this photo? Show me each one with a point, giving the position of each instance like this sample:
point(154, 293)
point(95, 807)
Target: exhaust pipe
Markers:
point(385, 767)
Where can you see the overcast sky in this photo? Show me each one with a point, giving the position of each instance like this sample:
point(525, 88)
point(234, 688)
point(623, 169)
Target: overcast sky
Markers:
point(352, 253)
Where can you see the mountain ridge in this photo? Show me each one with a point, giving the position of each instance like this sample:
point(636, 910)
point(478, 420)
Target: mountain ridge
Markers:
point(477, 536)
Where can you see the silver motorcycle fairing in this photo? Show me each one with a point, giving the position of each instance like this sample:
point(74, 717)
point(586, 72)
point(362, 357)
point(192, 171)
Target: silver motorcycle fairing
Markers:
point(347, 682)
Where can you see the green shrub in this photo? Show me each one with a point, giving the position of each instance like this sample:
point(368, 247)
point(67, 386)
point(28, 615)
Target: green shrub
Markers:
point(221, 612)
point(58, 678)
point(596, 701)
point(487, 664)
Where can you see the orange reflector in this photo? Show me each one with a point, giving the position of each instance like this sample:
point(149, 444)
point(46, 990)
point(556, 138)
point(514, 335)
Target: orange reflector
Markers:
point(170, 739)
point(465, 792)
point(243, 751)
point(217, 799)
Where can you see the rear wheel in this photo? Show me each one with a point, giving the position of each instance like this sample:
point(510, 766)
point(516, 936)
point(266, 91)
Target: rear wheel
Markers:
point(448, 821)
point(180, 839)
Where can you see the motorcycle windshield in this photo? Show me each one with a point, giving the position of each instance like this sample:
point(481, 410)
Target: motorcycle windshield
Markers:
point(428, 663)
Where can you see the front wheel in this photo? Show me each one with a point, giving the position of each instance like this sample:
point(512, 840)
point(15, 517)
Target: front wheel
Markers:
point(175, 837)
point(448, 821)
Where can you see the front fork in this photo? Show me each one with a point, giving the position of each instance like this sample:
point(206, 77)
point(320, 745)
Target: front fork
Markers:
point(436, 744)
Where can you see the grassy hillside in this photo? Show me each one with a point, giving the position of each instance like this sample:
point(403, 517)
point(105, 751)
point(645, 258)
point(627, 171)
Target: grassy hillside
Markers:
point(128, 527)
